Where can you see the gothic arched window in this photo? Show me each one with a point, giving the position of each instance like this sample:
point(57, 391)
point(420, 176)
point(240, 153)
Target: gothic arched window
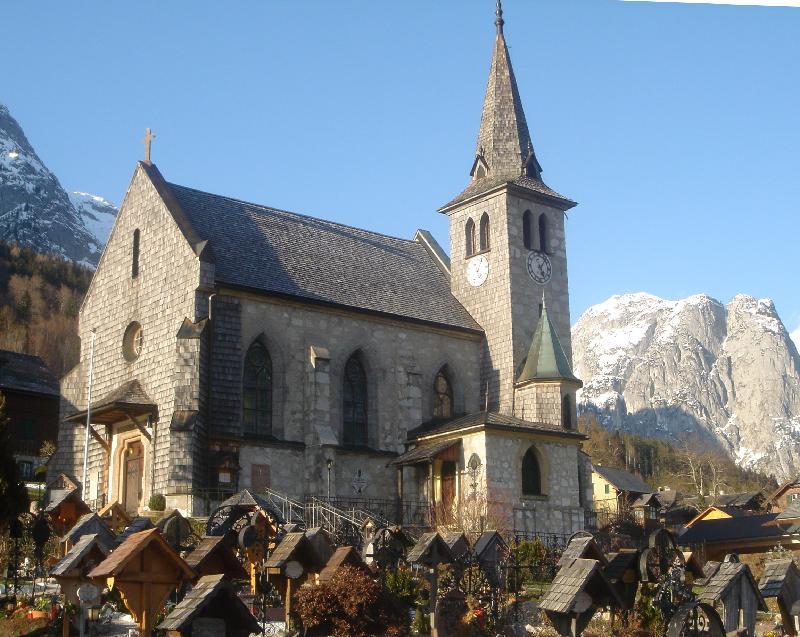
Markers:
point(527, 235)
point(566, 412)
point(469, 238)
point(484, 232)
point(442, 396)
point(543, 238)
point(135, 255)
point(257, 391)
point(354, 432)
point(531, 475)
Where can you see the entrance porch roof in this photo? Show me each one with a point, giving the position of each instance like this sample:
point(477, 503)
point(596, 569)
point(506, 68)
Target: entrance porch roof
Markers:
point(425, 452)
point(128, 401)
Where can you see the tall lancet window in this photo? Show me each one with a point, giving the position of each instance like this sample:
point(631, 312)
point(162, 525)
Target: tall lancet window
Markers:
point(257, 391)
point(531, 475)
point(135, 255)
point(527, 228)
point(442, 396)
point(544, 245)
point(469, 238)
point(566, 412)
point(354, 432)
point(485, 232)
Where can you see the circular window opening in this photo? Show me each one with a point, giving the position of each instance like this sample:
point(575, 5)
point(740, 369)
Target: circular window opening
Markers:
point(132, 342)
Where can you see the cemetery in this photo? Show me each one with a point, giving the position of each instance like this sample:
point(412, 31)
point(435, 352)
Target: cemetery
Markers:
point(247, 569)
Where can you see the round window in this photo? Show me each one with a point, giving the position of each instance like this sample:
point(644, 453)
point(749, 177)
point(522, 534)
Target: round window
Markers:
point(132, 342)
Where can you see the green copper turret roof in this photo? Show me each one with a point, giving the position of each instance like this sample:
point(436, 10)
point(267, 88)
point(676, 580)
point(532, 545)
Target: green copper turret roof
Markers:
point(546, 358)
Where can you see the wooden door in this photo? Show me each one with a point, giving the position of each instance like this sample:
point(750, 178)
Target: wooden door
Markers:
point(448, 483)
point(133, 471)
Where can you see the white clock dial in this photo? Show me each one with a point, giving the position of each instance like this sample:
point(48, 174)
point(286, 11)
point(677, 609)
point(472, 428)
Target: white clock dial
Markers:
point(539, 267)
point(477, 270)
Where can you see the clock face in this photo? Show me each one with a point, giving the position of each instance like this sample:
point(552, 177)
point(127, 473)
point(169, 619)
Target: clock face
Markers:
point(539, 267)
point(477, 270)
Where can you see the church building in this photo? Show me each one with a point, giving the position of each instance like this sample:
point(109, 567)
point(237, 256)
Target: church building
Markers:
point(234, 345)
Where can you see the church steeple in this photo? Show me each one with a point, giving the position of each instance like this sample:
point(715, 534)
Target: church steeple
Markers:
point(504, 146)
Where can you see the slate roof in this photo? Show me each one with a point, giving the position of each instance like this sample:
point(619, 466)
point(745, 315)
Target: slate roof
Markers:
point(79, 550)
point(724, 529)
point(129, 397)
point(623, 480)
point(488, 419)
point(206, 589)
point(775, 573)
point(571, 579)
point(582, 546)
point(26, 373)
point(425, 546)
point(91, 524)
point(285, 551)
point(287, 254)
point(741, 500)
point(424, 452)
point(546, 359)
point(719, 584)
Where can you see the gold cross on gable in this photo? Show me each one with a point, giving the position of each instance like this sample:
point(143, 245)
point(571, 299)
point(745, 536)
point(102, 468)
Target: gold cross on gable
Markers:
point(148, 139)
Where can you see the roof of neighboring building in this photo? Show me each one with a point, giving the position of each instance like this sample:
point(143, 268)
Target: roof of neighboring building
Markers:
point(287, 254)
point(77, 553)
point(718, 585)
point(622, 480)
point(207, 588)
point(488, 419)
point(26, 373)
point(792, 512)
point(727, 529)
point(546, 359)
point(775, 573)
point(740, 500)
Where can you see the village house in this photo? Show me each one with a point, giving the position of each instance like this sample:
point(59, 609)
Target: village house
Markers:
point(237, 346)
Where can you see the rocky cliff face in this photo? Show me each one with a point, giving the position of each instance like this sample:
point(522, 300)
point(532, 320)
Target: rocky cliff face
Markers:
point(36, 211)
point(677, 368)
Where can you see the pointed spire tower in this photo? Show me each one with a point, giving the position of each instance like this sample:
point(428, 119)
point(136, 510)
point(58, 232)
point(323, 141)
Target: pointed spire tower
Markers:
point(508, 245)
point(545, 388)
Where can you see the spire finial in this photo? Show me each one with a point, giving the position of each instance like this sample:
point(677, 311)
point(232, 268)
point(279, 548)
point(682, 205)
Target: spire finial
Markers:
point(499, 22)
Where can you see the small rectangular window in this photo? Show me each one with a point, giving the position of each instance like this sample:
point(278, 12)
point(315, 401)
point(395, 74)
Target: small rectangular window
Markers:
point(607, 489)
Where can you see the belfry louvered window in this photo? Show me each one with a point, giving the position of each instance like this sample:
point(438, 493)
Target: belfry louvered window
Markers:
point(527, 230)
point(135, 255)
point(484, 232)
point(544, 245)
point(354, 431)
point(257, 391)
point(469, 238)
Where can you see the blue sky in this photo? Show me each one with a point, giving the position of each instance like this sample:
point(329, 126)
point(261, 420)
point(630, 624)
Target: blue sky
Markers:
point(675, 126)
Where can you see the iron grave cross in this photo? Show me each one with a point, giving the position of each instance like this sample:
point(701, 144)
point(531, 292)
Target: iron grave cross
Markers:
point(148, 139)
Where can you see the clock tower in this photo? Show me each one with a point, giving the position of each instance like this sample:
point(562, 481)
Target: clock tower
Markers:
point(508, 253)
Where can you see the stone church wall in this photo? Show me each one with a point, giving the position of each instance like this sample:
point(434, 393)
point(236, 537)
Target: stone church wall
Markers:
point(159, 298)
point(559, 509)
point(309, 347)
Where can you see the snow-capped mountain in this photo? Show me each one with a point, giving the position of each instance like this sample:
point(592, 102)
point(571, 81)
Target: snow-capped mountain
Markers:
point(695, 366)
point(36, 211)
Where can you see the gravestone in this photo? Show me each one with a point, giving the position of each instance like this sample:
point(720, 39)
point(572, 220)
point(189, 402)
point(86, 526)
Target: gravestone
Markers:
point(450, 610)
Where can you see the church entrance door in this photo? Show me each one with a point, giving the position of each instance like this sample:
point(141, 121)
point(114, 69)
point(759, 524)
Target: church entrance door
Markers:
point(133, 465)
point(448, 484)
